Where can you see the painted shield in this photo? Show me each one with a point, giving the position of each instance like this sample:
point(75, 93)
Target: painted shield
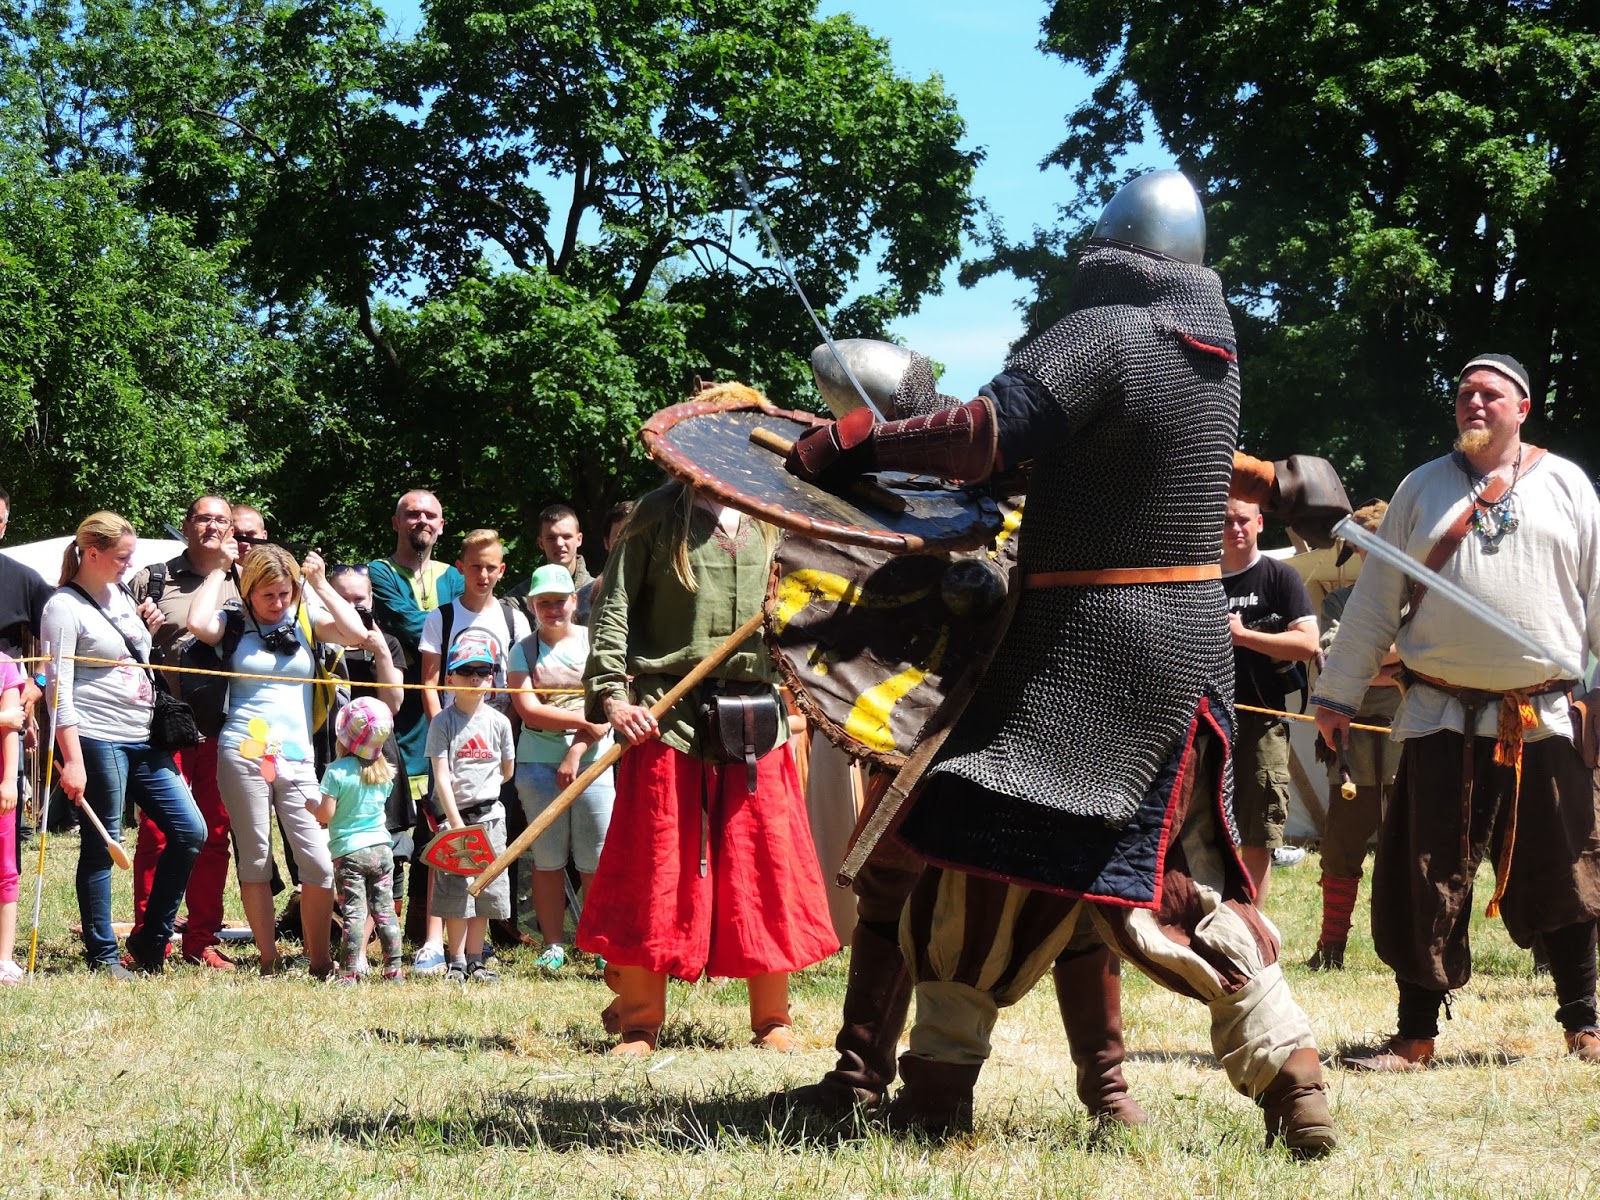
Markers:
point(871, 643)
point(464, 851)
point(734, 450)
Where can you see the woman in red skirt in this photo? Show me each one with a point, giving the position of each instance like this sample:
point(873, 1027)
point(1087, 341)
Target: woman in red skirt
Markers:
point(708, 865)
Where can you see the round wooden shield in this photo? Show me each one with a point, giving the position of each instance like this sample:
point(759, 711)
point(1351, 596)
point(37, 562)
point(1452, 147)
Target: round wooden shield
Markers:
point(871, 643)
point(735, 451)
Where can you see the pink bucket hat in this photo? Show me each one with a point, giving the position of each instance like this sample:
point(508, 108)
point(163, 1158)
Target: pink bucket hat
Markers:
point(364, 725)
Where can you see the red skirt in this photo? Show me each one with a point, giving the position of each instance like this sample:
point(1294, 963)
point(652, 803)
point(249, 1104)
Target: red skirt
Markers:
point(760, 907)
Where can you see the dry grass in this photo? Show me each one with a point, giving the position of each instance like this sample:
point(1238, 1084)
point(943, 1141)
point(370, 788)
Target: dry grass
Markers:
point(199, 1085)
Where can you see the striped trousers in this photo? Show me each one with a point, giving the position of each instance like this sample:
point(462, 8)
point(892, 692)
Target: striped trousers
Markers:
point(977, 945)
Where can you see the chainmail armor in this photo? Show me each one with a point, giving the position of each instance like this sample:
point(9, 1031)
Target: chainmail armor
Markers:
point(1131, 429)
point(916, 396)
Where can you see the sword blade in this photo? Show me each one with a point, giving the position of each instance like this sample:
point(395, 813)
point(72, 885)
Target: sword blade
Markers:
point(777, 252)
point(1397, 558)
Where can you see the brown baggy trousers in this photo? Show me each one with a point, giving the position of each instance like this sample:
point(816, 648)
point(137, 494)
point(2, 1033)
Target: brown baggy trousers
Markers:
point(977, 945)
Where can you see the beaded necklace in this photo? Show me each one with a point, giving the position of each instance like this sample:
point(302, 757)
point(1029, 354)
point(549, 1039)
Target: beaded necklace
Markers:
point(1491, 522)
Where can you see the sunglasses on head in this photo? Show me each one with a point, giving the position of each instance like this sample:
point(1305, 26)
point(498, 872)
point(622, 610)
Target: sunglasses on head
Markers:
point(474, 671)
point(346, 569)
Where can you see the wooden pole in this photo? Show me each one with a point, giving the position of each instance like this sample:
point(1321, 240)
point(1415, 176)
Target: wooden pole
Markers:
point(604, 763)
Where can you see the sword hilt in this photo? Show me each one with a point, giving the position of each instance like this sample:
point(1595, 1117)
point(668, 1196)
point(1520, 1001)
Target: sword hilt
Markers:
point(868, 491)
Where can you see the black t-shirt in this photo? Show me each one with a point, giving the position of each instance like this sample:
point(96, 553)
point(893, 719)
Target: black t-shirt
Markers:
point(1269, 596)
point(23, 593)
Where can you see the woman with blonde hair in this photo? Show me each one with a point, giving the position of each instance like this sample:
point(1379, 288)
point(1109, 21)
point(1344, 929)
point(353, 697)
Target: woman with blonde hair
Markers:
point(708, 865)
point(103, 713)
point(265, 760)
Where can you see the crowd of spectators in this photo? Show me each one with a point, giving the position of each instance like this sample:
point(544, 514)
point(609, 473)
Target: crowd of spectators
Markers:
point(293, 750)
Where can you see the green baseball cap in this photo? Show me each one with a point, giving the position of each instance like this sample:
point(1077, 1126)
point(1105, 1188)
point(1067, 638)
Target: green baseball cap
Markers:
point(552, 580)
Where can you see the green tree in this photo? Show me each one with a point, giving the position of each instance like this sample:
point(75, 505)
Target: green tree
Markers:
point(127, 367)
point(1391, 188)
point(396, 203)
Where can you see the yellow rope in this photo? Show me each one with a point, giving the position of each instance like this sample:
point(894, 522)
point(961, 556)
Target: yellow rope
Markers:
point(511, 691)
point(1278, 712)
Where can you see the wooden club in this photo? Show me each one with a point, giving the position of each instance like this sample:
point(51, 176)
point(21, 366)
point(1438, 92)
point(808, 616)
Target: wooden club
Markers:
point(113, 847)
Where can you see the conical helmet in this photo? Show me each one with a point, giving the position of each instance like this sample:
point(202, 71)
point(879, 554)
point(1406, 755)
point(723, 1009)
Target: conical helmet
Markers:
point(1161, 212)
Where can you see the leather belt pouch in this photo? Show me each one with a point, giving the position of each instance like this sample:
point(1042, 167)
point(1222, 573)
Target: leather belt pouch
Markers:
point(1586, 728)
point(741, 727)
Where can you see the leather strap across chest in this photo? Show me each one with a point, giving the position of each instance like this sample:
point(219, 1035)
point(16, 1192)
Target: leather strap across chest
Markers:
point(1450, 540)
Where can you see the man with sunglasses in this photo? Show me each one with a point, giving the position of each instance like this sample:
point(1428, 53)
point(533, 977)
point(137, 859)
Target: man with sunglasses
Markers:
point(164, 591)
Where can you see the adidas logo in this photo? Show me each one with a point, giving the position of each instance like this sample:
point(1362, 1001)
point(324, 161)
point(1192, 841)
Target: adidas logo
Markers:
point(475, 749)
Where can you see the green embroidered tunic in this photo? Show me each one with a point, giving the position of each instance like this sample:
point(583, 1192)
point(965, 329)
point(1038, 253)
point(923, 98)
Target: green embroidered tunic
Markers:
point(647, 625)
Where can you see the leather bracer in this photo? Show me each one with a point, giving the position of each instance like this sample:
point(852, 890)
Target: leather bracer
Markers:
point(953, 443)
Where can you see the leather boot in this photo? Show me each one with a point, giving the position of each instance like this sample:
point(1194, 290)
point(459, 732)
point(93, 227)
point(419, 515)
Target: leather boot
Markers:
point(1089, 994)
point(935, 1098)
point(1295, 1105)
point(638, 1010)
point(1397, 1054)
point(769, 1013)
point(876, 1000)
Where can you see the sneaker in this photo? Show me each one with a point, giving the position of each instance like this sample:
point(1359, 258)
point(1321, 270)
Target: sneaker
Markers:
point(429, 961)
point(349, 979)
point(394, 974)
point(115, 972)
point(456, 974)
point(10, 973)
point(551, 959)
point(1288, 856)
point(211, 957)
point(478, 973)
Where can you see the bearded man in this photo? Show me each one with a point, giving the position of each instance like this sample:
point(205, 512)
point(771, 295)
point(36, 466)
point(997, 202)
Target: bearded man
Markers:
point(1489, 764)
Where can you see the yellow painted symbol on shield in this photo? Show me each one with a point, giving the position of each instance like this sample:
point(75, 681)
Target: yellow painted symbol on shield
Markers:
point(869, 720)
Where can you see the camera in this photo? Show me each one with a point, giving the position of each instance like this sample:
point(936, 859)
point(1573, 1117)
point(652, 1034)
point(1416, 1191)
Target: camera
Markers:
point(281, 639)
point(366, 616)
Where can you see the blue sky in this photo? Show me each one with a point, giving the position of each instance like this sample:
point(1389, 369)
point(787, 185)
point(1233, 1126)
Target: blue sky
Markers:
point(1015, 101)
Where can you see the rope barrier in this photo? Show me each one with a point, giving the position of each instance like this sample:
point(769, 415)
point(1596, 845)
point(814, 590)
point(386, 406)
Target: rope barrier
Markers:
point(418, 687)
point(1278, 712)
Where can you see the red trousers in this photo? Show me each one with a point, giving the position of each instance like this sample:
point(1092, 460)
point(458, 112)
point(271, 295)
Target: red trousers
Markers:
point(759, 908)
point(198, 766)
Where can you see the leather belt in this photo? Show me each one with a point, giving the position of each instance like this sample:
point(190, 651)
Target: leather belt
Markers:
point(1122, 575)
point(1516, 715)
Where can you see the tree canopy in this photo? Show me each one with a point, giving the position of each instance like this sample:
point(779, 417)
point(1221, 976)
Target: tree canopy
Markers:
point(482, 254)
point(1390, 188)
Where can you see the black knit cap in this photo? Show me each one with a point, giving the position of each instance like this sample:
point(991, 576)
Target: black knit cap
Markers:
point(1503, 363)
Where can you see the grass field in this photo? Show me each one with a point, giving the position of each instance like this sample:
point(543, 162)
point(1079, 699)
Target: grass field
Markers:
point(196, 1084)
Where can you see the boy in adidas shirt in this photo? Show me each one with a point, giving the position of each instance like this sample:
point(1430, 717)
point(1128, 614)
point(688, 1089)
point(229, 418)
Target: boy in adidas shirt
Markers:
point(472, 754)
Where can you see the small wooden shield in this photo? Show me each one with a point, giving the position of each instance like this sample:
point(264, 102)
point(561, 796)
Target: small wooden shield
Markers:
point(715, 446)
point(464, 851)
point(871, 644)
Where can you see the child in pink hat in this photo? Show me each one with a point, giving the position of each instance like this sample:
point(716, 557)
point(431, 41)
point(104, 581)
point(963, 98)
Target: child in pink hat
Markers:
point(354, 788)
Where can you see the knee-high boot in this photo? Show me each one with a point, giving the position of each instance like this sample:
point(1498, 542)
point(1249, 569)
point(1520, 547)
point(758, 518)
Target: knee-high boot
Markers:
point(1089, 994)
point(877, 997)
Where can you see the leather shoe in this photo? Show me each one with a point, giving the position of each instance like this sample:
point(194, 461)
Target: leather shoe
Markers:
point(1584, 1045)
point(211, 957)
point(1329, 956)
point(1397, 1054)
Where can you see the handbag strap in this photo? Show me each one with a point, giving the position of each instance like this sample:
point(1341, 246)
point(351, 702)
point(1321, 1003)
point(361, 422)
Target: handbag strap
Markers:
point(117, 629)
point(1450, 540)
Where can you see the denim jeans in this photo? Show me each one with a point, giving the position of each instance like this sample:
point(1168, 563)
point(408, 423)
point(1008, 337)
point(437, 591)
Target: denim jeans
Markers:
point(117, 772)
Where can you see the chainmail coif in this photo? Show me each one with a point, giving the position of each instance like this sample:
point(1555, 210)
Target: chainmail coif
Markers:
point(1129, 409)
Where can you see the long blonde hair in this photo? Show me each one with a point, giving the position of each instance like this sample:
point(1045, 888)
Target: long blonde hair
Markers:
point(678, 523)
point(268, 564)
point(100, 530)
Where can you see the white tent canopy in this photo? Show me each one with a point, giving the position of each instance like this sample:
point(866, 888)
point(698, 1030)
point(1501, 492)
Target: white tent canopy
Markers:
point(45, 557)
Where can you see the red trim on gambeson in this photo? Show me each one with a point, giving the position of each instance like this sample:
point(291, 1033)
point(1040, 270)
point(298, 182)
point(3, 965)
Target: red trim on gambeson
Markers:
point(1222, 350)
